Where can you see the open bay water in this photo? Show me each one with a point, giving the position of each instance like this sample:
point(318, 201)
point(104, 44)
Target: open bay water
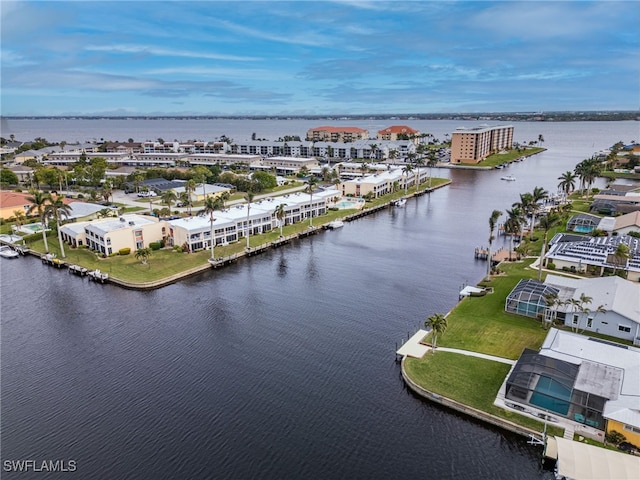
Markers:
point(280, 366)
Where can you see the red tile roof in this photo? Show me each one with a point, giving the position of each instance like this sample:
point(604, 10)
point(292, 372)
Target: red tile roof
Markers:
point(339, 129)
point(397, 129)
point(16, 199)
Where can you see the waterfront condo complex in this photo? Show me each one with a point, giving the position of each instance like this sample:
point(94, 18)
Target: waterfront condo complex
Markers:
point(472, 145)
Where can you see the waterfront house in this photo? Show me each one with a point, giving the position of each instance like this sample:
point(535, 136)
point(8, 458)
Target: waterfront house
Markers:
point(109, 235)
point(578, 253)
point(591, 382)
point(614, 308)
point(11, 201)
point(621, 225)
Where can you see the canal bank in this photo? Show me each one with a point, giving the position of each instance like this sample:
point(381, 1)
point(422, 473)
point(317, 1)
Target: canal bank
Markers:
point(219, 262)
point(466, 409)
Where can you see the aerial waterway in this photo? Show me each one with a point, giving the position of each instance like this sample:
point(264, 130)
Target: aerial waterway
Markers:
point(280, 366)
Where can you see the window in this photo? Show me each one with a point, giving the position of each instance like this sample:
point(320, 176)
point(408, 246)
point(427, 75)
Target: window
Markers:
point(624, 328)
point(630, 428)
point(589, 322)
point(575, 319)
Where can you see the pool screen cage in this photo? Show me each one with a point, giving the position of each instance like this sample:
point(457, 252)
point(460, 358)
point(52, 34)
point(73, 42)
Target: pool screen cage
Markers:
point(582, 223)
point(547, 384)
point(529, 298)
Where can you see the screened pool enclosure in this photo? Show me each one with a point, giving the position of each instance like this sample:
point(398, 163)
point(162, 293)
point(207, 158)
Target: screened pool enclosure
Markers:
point(583, 223)
point(549, 384)
point(529, 298)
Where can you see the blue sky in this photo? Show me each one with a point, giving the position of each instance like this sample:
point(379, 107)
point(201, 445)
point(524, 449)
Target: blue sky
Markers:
point(321, 57)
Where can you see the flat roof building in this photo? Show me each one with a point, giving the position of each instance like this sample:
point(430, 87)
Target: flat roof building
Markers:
point(472, 145)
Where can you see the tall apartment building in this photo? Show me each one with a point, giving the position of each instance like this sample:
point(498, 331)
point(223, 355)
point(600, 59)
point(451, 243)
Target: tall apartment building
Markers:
point(472, 145)
point(336, 134)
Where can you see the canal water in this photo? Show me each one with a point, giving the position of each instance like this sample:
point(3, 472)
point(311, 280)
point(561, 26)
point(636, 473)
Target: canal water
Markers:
point(281, 366)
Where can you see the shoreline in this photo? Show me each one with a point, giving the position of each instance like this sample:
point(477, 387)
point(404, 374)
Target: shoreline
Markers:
point(465, 409)
point(225, 261)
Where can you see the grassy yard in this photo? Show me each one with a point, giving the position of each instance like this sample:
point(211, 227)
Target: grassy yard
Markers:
point(469, 380)
point(499, 158)
point(480, 324)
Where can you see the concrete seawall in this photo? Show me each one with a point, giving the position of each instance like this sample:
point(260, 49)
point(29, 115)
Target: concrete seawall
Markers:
point(222, 262)
point(472, 412)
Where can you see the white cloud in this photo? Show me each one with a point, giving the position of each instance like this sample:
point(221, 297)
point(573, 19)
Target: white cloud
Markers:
point(151, 50)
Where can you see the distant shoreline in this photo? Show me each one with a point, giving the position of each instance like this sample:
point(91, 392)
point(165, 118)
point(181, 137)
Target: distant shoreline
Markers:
point(577, 116)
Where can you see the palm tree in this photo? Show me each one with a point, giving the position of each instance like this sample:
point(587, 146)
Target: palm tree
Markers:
point(281, 214)
point(525, 205)
point(406, 169)
point(546, 223)
point(311, 185)
point(20, 217)
point(493, 219)
point(168, 197)
point(552, 302)
point(105, 212)
point(431, 162)
point(39, 202)
point(513, 225)
point(249, 198)
point(211, 204)
point(419, 162)
point(185, 200)
point(189, 188)
point(538, 194)
point(143, 254)
point(58, 209)
point(364, 168)
point(107, 191)
point(620, 256)
point(567, 182)
point(438, 324)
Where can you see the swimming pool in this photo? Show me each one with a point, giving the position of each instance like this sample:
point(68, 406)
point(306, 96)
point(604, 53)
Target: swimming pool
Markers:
point(583, 229)
point(31, 228)
point(344, 204)
point(551, 395)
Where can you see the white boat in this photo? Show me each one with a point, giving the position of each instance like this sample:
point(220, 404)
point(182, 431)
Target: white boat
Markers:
point(401, 202)
point(508, 178)
point(335, 224)
point(8, 252)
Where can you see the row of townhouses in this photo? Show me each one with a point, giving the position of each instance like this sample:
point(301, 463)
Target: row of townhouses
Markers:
point(110, 235)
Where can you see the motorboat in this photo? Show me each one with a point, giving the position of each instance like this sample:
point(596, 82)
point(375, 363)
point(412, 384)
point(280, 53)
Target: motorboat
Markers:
point(8, 252)
point(508, 178)
point(335, 224)
point(401, 202)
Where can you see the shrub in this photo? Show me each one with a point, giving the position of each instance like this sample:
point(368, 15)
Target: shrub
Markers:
point(615, 437)
point(177, 248)
point(565, 269)
point(551, 266)
point(124, 251)
point(80, 196)
point(155, 246)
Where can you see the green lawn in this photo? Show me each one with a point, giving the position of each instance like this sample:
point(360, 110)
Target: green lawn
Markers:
point(469, 380)
point(510, 156)
point(480, 324)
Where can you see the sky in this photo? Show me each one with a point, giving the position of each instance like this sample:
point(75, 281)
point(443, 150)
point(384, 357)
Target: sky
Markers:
point(317, 57)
